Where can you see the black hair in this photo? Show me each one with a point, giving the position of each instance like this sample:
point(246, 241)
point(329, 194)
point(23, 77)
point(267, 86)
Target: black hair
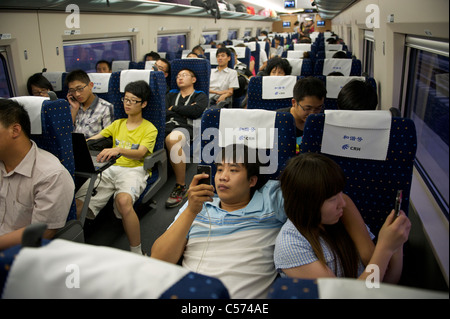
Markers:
point(78, 75)
point(40, 81)
point(154, 55)
point(104, 61)
point(12, 112)
point(223, 50)
point(309, 86)
point(140, 89)
point(357, 95)
point(340, 55)
point(278, 62)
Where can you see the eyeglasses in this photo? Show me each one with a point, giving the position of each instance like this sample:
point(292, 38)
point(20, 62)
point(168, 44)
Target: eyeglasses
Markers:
point(310, 109)
point(78, 90)
point(128, 101)
point(183, 75)
point(40, 93)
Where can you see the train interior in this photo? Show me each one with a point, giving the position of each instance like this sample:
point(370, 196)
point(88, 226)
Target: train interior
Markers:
point(403, 45)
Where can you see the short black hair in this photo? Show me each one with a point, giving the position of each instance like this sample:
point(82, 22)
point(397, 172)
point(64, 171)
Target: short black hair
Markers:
point(340, 55)
point(140, 89)
point(357, 95)
point(309, 86)
point(40, 81)
point(154, 55)
point(12, 112)
point(104, 61)
point(223, 50)
point(78, 75)
point(278, 62)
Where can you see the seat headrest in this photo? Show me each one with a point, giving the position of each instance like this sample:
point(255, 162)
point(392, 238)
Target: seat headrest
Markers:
point(55, 79)
point(357, 134)
point(237, 126)
point(278, 87)
point(101, 82)
point(33, 105)
point(127, 76)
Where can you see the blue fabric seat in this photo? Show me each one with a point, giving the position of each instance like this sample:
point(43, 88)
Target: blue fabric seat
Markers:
point(373, 184)
point(155, 112)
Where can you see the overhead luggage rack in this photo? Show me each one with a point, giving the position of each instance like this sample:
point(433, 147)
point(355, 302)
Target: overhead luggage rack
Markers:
point(130, 6)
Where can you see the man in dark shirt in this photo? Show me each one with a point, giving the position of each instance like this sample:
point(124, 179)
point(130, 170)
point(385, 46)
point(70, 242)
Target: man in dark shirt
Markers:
point(183, 106)
point(309, 96)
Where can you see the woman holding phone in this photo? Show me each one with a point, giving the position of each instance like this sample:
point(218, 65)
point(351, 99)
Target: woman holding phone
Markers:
point(313, 243)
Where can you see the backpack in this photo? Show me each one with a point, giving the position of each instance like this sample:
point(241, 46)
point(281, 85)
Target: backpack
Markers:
point(240, 8)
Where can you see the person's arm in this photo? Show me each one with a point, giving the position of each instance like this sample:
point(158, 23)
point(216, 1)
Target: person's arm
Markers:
point(356, 228)
point(310, 271)
point(225, 94)
point(194, 109)
point(170, 245)
point(11, 239)
point(389, 248)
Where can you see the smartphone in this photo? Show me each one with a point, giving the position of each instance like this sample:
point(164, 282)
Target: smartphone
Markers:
point(204, 169)
point(398, 202)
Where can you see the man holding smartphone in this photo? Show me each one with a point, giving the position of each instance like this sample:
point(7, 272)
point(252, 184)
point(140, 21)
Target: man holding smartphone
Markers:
point(90, 114)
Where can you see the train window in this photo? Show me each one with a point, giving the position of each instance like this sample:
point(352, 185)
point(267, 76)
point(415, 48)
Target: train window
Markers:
point(172, 44)
point(248, 33)
point(85, 54)
point(427, 103)
point(5, 80)
point(232, 34)
point(210, 36)
point(368, 52)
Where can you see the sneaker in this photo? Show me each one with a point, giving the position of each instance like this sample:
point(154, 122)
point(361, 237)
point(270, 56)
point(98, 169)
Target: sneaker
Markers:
point(177, 196)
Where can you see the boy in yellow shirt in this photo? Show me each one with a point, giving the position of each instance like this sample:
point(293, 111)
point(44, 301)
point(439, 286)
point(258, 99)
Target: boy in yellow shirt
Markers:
point(134, 138)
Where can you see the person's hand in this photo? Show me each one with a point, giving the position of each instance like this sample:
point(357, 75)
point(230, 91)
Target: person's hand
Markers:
point(107, 153)
point(199, 194)
point(395, 231)
point(73, 102)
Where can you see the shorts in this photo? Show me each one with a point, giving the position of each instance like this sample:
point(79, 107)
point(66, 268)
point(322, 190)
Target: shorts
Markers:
point(114, 180)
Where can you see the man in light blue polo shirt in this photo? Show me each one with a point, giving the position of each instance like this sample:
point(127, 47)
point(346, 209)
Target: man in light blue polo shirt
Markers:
point(232, 236)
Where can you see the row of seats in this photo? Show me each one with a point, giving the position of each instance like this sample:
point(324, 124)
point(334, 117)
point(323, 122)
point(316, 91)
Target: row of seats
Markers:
point(257, 85)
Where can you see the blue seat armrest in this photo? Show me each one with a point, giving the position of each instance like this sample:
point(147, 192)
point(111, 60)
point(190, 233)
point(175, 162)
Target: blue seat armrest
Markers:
point(158, 159)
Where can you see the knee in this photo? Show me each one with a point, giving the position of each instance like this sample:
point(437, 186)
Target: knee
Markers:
point(175, 137)
point(124, 204)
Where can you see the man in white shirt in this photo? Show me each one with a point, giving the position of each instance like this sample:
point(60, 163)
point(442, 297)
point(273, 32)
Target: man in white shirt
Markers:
point(223, 81)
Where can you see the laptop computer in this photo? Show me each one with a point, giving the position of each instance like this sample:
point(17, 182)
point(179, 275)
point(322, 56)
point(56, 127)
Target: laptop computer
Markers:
point(85, 159)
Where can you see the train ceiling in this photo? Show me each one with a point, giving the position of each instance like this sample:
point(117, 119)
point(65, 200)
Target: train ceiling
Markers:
point(327, 9)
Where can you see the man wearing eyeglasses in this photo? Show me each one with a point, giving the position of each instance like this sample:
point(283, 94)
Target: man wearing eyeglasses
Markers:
point(183, 106)
point(134, 138)
point(90, 114)
point(309, 97)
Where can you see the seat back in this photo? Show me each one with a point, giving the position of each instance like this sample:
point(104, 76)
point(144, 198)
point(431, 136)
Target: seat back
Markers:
point(56, 136)
point(255, 97)
point(284, 146)
point(155, 112)
point(355, 70)
point(58, 81)
point(332, 93)
point(101, 84)
point(372, 184)
point(201, 68)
